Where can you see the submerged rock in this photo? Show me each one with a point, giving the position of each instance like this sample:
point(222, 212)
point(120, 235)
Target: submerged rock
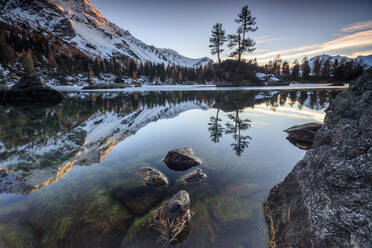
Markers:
point(192, 176)
point(12, 184)
point(303, 135)
point(173, 217)
point(31, 90)
point(153, 177)
point(326, 199)
point(181, 159)
point(170, 220)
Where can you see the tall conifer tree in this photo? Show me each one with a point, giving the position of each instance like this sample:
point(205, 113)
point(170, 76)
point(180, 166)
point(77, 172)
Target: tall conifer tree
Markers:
point(218, 38)
point(239, 41)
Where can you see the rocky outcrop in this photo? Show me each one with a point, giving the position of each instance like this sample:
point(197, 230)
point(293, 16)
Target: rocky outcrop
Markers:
point(326, 200)
point(192, 177)
point(303, 135)
point(12, 184)
point(30, 90)
point(153, 177)
point(181, 159)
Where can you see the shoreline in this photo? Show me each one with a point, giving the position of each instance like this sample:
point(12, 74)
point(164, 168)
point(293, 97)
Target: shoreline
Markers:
point(199, 88)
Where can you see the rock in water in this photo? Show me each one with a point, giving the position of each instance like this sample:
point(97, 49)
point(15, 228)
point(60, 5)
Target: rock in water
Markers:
point(11, 184)
point(326, 200)
point(303, 135)
point(193, 176)
point(153, 177)
point(181, 159)
point(30, 90)
point(173, 217)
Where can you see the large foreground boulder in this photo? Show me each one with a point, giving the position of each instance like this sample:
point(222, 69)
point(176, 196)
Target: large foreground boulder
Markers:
point(30, 90)
point(181, 159)
point(326, 200)
point(303, 135)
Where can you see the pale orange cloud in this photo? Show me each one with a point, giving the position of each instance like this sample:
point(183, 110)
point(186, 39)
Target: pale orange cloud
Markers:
point(265, 39)
point(349, 41)
point(359, 26)
point(356, 54)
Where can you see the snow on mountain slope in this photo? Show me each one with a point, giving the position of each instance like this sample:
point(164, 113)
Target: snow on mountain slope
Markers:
point(81, 24)
point(365, 60)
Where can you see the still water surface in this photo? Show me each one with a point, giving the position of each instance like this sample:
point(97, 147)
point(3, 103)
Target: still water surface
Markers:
point(83, 155)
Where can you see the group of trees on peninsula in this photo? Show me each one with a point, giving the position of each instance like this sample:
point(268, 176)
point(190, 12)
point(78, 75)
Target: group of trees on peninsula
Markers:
point(239, 43)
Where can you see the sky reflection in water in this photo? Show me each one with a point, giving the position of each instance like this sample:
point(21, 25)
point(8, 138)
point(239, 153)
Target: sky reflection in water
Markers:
point(99, 141)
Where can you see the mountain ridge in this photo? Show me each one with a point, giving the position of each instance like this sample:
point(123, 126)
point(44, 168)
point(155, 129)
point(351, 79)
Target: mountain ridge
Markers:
point(365, 60)
point(79, 23)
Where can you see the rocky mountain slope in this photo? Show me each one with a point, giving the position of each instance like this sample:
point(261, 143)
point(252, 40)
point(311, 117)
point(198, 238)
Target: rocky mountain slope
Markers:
point(79, 23)
point(326, 200)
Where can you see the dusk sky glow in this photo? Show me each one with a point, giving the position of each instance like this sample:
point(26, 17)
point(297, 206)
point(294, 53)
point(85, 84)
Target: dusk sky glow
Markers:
point(293, 29)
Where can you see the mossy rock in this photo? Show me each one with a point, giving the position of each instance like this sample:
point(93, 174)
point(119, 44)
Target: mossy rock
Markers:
point(97, 220)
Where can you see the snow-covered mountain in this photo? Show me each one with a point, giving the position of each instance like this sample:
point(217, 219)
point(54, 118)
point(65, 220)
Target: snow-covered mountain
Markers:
point(79, 23)
point(365, 60)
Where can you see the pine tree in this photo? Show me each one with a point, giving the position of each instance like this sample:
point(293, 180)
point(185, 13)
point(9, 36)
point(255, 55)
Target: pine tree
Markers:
point(28, 63)
point(217, 39)
point(326, 70)
point(90, 76)
point(180, 76)
point(239, 41)
point(277, 64)
point(132, 67)
point(235, 42)
point(305, 67)
point(134, 75)
point(51, 60)
point(334, 69)
point(295, 70)
point(269, 66)
point(317, 68)
point(285, 69)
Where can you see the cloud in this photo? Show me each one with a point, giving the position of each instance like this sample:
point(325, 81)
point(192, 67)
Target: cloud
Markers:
point(286, 111)
point(265, 39)
point(359, 26)
point(349, 41)
point(356, 54)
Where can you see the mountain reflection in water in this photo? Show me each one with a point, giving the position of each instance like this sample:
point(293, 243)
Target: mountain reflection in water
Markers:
point(86, 127)
point(82, 155)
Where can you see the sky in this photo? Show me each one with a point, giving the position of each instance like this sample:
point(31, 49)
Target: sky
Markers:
point(291, 28)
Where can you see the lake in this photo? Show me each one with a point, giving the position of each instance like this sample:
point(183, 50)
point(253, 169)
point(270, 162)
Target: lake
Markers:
point(82, 158)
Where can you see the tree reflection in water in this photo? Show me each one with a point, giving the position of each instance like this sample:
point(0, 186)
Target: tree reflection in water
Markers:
point(236, 128)
point(215, 128)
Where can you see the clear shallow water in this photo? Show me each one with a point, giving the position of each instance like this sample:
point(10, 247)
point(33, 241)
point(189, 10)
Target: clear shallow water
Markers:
point(83, 155)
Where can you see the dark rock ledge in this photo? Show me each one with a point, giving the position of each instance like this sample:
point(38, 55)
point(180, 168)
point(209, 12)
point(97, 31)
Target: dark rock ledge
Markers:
point(30, 90)
point(326, 200)
point(303, 136)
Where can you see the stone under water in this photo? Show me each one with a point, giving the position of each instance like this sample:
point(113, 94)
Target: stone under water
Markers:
point(181, 159)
